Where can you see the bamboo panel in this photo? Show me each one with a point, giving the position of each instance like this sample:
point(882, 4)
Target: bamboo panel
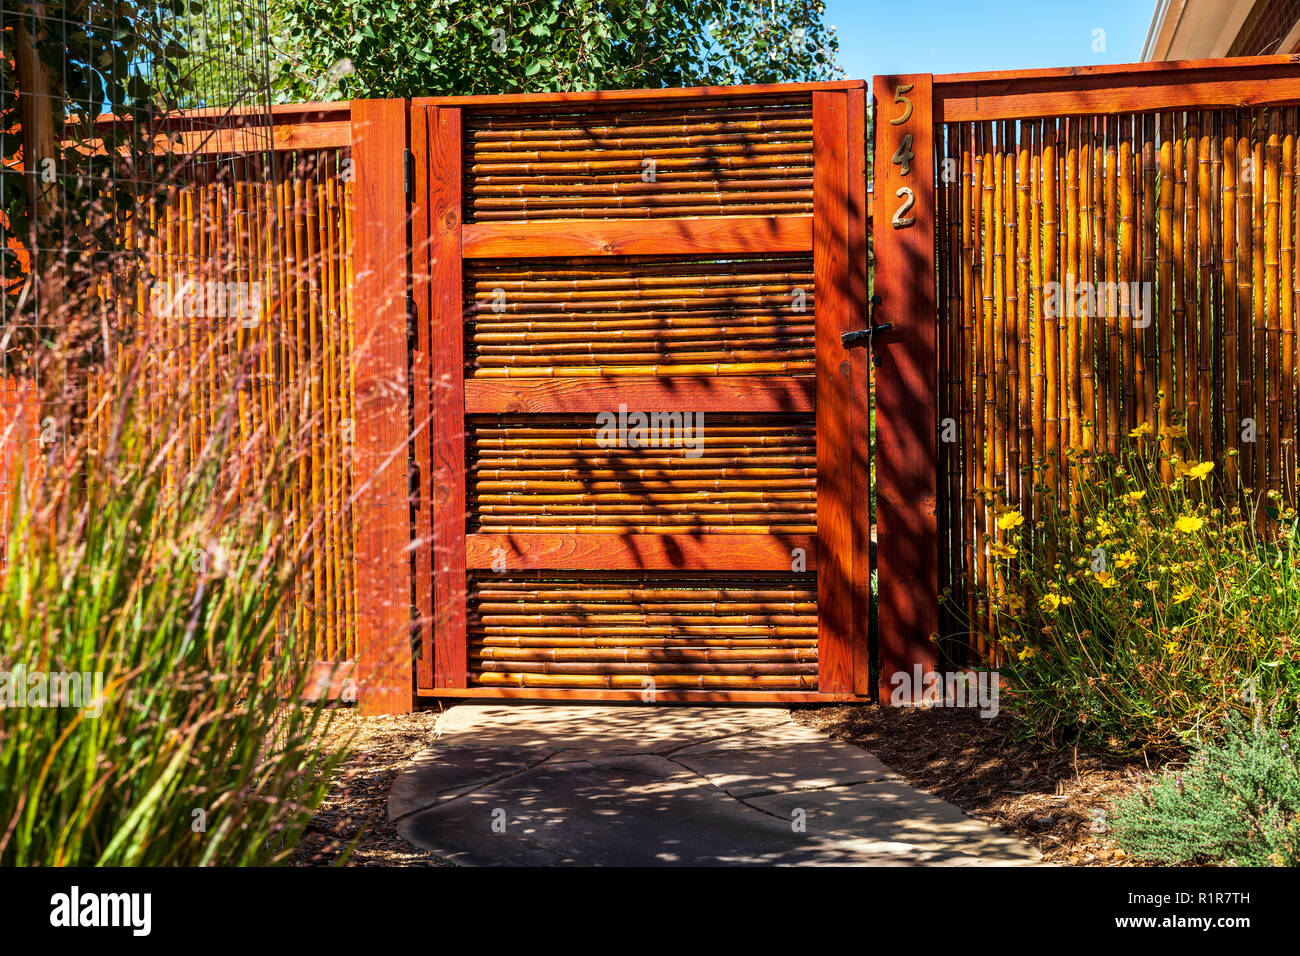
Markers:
point(650, 160)
point(633, 317)
point(1105, 275)
point(642, 631)
point(280, 237)
point(692, 474)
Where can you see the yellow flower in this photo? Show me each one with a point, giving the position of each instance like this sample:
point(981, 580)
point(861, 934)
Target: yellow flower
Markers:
point(1175, 431)
point(1172, 647)
point(1153, 586)
point(1188, 523)
point(1026, 653)
point(1143, 429)
point(1200, 471)
point(1136, 496)
point(1185, 594)
point(1012, 519)
point(1003, 551)
point(1067, 600)
point(1049, 602)
point(1125, 559)
point(1104, 527)
point(1105, 579)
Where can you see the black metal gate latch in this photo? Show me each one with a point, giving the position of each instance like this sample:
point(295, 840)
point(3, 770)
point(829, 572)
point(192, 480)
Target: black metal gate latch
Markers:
point(867, 335)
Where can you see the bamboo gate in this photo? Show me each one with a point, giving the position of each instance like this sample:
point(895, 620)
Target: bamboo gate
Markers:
point(499, 271)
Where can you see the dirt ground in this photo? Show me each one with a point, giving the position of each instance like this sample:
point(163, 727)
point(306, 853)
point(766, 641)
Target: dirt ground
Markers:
point(355, 812)
point(1052, 799)
point(1055, 800)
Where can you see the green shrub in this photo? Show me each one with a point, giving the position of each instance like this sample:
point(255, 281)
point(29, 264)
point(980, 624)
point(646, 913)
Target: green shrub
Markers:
point(1142, 614)
point(1235, 802)
point(172, 588)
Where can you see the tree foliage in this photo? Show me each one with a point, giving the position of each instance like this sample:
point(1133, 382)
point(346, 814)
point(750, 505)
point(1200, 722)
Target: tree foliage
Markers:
point(340, 49)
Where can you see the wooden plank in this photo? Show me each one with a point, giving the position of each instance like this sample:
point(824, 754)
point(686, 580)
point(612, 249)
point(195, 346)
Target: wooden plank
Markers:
point(648, 552)
point(1213, 84)
point(448, 402)
point(636, 696)
point(1117, 72)
point(739, 393)
point(253, 139)
point(907, 546)
point(834, 315)
point(715, 235)
point(381, 512)
point(859, 396)
point(421, 394)
point(638, 96)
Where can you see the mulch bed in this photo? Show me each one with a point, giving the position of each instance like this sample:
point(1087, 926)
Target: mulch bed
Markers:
point(1048, 798)
point(356, 808)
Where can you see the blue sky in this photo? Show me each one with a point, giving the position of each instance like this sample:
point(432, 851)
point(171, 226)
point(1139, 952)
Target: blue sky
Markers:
point(956, 36)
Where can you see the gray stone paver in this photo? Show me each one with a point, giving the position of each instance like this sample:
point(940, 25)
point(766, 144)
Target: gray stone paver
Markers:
point(537, 785)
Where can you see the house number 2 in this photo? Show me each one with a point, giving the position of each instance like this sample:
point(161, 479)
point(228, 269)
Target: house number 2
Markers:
point(903, 159)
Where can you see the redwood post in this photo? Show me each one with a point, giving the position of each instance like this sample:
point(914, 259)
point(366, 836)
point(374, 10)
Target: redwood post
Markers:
point(839, 270)
point(447, 404)
point(907, 548)
point(382, 432)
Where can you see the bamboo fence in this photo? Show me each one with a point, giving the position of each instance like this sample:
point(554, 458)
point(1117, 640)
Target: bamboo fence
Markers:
point(283, 372)
point(1199, 209)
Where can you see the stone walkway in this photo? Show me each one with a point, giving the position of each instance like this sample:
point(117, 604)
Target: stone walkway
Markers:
point(544, 785)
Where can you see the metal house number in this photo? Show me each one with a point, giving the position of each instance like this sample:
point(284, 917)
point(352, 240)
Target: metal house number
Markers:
point(903, 159)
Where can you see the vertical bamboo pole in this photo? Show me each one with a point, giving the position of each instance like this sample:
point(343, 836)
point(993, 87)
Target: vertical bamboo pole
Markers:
point(1231, 339)
point(1213, 255)
point(1127, 259)
point(1147, 332)
point(1070, 279)
point(1048, 323)
point(1258, 289)
point(999, 305)
point(988, 371)
point(1205, 266)
point(1188, 330)
point(1272, 232)
point(969, 427)
point(1024, 410)
point(1244, 271)
point(1087, 273)
point(1109, 306)
point(1287, 306)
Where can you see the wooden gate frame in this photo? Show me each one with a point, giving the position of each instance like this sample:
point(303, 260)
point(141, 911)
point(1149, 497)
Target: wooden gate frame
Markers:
point(835, 235)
